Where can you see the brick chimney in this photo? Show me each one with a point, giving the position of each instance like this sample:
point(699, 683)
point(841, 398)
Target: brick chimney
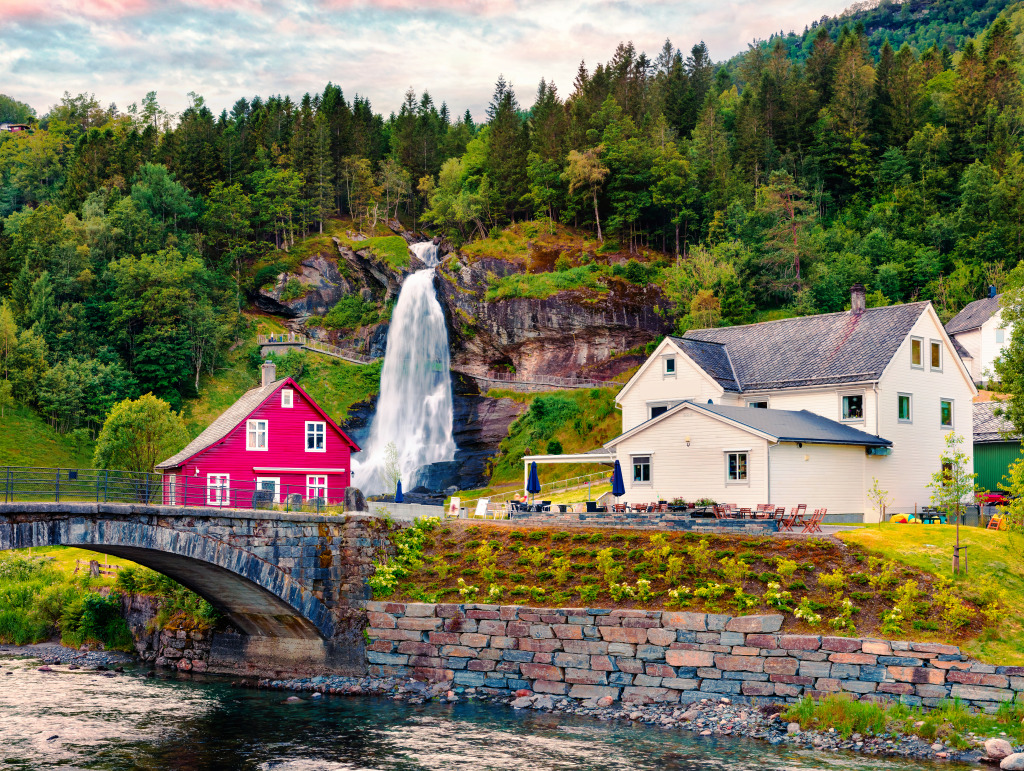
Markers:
point(857, 300)
point(270, 372)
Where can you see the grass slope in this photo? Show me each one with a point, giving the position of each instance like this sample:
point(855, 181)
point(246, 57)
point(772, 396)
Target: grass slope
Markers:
point(28, 440)
point(995, 562)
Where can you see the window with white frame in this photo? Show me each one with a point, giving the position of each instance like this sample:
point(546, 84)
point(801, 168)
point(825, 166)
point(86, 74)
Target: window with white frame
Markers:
point(917, 353)
point(316, 486)
point(658, 409)
point(853, 406)
point(316, 437)
point(903, 408)
point(670, 365)
point(946, 413)
point(218, 488)
point(287, 398)
point(736, 467)
point(256, 435)
point(641, 469)
point(761, 404)
point(1000, 336)
point(935, 355)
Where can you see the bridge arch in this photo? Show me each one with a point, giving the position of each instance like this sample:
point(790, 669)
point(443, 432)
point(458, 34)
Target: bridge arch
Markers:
point(257, 597)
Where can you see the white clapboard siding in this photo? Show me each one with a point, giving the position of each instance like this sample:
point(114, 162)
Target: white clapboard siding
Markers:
point(653, 385)
point(819, 475)
point(697, 471)
point(917, 446)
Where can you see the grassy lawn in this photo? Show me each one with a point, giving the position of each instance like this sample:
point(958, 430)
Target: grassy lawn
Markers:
point(27, 440)
point(995, 563)
point(65, 559)
point(847, 589)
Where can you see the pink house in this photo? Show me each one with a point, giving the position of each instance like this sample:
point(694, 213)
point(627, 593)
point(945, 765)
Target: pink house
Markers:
point(274, 444)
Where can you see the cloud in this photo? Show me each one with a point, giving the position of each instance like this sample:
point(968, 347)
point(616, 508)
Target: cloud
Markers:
point(226, 49)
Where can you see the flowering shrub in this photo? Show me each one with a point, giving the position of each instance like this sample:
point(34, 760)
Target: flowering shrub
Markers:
point(680, 597)
point(495, 593)
point(892, 621)
point(775, 597)
point(806, 613)
point(844, 621)
point(589, 593)
point(710, 593)
point(408, 544)
point(643, 590)
point(466, 592)
point(743, 601)
point(620, 591)
point(785, 568)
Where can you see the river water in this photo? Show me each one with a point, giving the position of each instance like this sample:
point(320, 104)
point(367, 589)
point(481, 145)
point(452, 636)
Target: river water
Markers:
point(87, 720)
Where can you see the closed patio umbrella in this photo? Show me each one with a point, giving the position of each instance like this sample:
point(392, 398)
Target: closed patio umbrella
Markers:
point(618, 485)
point(533, 483)
point(398, 492)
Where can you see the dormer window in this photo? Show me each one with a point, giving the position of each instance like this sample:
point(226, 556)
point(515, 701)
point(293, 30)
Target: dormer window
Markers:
point(287, 398)
point(256, 435)
point(670, 365)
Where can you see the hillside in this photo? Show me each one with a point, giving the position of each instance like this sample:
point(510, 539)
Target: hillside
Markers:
point(27, 440)
point(921, 24)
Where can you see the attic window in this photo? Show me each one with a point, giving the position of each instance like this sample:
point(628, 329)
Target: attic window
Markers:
point(256, 435)
point(916, 356)
point(936, 355)
point(287, 397)
point(670, 365)
point(761, 405)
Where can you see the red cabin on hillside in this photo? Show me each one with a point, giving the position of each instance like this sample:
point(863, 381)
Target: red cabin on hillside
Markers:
point(273, 446)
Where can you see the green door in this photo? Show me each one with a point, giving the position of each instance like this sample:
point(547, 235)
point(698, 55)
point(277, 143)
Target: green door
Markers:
point(991, 461)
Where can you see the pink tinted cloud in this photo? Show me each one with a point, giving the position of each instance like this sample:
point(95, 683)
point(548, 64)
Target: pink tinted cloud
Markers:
point(97, 9)
point(469, 7)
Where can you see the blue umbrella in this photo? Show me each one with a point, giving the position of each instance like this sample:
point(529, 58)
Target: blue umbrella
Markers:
point(618, 486)
point(398, 492)
point(533, 483)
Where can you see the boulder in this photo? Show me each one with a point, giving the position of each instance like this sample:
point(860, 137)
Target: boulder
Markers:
point(997, 749)
point(523, 702)
point(793, 728)
point(1013, 762)
point(354, 499)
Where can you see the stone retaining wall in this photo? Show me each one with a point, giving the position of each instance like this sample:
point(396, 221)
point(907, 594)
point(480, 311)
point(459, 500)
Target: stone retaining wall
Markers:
point(660, 656)
point(655, 521)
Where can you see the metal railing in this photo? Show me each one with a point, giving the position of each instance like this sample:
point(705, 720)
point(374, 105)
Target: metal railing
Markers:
point(293, 338)
point(563, 382)
point(24, 484)
point(549, 488)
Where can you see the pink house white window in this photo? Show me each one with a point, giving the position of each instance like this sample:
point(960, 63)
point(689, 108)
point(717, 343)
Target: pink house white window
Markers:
point(316, 486)
point(316, 437)
point(218, 488)
point(287, 397)
point(256, 435)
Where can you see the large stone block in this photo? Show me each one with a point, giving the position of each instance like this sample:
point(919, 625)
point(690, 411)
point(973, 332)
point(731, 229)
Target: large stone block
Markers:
point(585, 676)
point(696, 622)
point(662, 637)
point(799, 643)
point(781, 666)
point(676, 658)
point(583, 691)
point(980, 693)
point(624, 635)
point(540, 671)
point(841, 644)
point(916, 675)
point(755, 624)
point(739, 663)
point(578, 660)
point(648, 695)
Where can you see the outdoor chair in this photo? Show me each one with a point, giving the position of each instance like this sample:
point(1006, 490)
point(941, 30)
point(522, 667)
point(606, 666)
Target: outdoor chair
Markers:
point(813, 525)
point(786, 522)
point(619, 508)
point(663, 507)
point(745, 513)
point(640, 508)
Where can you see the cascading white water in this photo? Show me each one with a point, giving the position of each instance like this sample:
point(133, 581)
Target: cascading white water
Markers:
point(427, 252)
point(415, 406)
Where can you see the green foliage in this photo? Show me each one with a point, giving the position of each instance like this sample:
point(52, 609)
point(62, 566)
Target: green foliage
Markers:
point(138, 434)
point(351, 312)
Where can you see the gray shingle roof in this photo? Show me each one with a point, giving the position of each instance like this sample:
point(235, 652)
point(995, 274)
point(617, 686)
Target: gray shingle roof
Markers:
point(781, 425)
point(713, 358)
point(810, 350)
point(973, 315)
point(791, 426)
point(989, 427)
point(224, 424)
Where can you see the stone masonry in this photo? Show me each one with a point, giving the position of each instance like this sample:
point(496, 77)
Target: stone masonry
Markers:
point(660, 656)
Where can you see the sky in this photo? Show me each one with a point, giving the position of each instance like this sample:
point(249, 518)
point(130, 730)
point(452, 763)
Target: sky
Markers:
point(225, 49)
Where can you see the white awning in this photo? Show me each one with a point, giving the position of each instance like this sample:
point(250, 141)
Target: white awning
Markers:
point(605, 457)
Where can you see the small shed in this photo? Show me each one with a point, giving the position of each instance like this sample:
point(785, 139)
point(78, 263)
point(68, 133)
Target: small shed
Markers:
point(996, 446)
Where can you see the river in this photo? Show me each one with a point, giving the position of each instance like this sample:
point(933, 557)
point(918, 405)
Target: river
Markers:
point(89, 720)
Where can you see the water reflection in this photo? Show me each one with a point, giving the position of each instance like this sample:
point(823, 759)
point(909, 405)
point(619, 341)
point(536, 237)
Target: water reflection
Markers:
point(86, 720)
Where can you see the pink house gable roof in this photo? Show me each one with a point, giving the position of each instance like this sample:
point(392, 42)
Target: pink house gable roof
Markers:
point(232, 417)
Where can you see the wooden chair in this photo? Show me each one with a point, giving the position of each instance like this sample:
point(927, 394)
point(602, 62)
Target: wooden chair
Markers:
point(813, 525)
point(786, 523)
point(619, 508)
point(720, 512)
point(663, 508)
point(745, 513)
point(779, 513)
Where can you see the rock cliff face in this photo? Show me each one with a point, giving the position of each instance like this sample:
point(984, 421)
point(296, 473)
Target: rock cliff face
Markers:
point(572, 333)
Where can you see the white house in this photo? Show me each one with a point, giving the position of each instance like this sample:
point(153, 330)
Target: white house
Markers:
point(804, 410)
point(979, 331)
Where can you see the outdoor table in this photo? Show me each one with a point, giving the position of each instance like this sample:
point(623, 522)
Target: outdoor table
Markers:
point(931, 518)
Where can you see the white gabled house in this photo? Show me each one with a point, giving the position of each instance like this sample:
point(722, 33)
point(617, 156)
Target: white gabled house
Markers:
point(803, 410)
point(981, 335)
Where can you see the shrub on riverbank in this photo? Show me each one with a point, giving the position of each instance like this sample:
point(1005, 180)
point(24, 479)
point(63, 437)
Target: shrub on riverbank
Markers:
point(950, 723)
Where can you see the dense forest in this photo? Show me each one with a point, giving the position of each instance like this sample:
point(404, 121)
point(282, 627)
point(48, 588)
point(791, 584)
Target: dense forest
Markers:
point(132, 240)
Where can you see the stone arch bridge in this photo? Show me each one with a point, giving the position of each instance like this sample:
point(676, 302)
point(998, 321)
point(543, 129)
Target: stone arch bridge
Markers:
point(291, 584)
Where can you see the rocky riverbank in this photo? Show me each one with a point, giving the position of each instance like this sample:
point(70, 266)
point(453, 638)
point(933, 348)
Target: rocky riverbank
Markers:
point(709, 717)
point(55, 653)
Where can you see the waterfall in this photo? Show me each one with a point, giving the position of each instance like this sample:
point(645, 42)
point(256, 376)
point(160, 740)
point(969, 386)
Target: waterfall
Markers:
point(415, 406)
point(427, 252)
